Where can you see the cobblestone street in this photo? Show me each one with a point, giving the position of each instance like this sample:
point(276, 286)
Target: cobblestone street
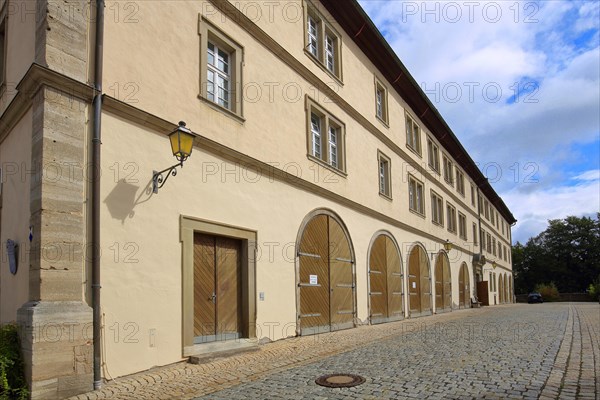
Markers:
point(546, 351)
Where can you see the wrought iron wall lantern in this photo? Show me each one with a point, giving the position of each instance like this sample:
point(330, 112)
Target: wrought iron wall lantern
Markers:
point(182, 144)
point(448, 245)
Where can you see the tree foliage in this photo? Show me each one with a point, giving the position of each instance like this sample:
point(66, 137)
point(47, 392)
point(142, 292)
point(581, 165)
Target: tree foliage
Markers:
point(566, 253)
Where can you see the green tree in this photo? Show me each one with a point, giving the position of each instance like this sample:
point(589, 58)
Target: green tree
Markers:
point(567, 253)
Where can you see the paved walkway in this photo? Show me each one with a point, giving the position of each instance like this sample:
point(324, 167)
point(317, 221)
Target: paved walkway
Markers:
point(548, 351)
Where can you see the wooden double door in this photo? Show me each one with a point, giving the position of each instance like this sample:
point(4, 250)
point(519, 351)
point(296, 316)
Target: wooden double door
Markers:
point(385, 281)
point(326, 277)
point(217, 288)
point(443, 284)
point(464, 290)
point(419, 282)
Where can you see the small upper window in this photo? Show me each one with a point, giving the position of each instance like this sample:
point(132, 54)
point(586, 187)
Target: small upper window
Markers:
point(416, 202)
point(462, 226)
point(433, 155)
point(323, 43)
point(220, 69)
point(413, 135)
point(451, 217)
point(448, 170)
point(460, 182)
point(437, 209)
point(385, 182)
point(325, 137)
point(381, 102)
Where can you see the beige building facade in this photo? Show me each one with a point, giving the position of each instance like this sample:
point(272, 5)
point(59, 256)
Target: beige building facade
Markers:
point(324, 190)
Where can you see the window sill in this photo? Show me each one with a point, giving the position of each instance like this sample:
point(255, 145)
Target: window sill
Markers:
point(408, 146)
point(322, 163)
point(441, 225)
point(386, 196)
point(320, 65)
point(222, 109)
point(417, 213)
point(383, 121)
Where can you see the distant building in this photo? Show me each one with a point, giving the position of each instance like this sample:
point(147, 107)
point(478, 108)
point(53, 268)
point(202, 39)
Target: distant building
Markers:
point(321, 192)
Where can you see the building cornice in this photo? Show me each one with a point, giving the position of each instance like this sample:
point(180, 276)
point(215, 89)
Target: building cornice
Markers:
point(35, 78)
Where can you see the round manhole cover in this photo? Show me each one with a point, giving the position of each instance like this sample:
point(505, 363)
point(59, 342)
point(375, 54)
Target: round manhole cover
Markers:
point(339, 380)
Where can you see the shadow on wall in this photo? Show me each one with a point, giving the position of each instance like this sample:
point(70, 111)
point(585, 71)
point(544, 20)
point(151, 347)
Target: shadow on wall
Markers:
point(122, 200)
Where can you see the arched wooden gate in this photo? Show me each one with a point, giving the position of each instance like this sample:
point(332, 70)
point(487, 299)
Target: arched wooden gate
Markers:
point(500, 289)
point(419, 282)
point(443, 283)
point(326, 277)
point(385, 281)
point(464, 289)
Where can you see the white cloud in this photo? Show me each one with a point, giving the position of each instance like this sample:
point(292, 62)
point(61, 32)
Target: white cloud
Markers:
point(534, 209)
point(592, 175)
point(541, 45)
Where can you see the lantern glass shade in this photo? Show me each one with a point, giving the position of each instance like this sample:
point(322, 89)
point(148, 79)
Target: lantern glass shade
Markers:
point(448, 245)
point(182, 142)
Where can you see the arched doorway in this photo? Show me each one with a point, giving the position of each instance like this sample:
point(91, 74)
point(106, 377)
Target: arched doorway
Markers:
point(325, 275)
point(419, 282)
point(385, 280)
point(443, 283)
point(510, 289)
point(506, 291)
point(500, 289)
point(464, 290)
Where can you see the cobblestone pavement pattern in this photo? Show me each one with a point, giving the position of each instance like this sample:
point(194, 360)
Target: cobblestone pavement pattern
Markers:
point(546, 351)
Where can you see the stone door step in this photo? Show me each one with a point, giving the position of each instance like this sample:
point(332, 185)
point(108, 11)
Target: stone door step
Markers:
point(217, 351)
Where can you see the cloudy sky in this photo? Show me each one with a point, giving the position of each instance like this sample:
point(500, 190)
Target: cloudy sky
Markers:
point(519, 84)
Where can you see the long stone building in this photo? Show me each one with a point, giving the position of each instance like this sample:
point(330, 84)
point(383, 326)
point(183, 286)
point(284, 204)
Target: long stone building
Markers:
point(324, 190)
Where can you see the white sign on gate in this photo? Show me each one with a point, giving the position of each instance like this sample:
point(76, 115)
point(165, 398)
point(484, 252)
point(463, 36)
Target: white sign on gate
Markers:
point(414, 285)
point(313, 280)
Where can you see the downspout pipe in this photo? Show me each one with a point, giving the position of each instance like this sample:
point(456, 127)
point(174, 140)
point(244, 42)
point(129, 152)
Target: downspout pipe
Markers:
point(96, 143)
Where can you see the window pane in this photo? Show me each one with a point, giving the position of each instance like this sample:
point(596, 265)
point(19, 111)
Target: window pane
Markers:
point(210, 85)
point(315, 127)
point(333, 150)
point(313, 37)
point(211, 54)
point(223, 64)
point(330, 53)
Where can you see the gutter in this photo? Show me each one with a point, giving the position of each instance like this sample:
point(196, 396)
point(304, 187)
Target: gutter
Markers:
point(96, 143)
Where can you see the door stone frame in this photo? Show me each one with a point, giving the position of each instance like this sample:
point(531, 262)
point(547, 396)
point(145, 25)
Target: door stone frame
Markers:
point(189, 226)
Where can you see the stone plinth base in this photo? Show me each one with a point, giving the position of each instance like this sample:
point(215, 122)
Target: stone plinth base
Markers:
point(57, 345)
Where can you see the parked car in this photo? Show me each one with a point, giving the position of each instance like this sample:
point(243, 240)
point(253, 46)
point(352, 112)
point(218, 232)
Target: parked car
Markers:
point(535, 298)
